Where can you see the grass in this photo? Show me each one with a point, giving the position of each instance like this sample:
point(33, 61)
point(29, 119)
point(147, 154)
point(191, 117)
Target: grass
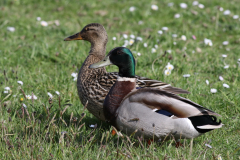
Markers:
point(59, 128)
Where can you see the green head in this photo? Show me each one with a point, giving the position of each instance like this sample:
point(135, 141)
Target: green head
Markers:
point(121, 57)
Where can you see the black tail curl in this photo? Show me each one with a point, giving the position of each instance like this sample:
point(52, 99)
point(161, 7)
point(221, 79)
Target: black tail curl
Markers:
point(204, 120)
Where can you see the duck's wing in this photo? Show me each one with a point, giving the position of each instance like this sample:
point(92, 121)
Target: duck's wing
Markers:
point(161, 100)
point(108, 79)
point(150, 83)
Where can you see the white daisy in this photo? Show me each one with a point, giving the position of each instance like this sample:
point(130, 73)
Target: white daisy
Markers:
point(225, 43)
point(221, 78)
point(44, 23)
point(74, 74)
point(169, 66)
point(140, 22)
point(226, 12)
point(20, 82)
point(11, 29)
point(5, 92)
point(153, 50)
point(28, 96)
point(183, 37)
point(177, 15)
point(186, 75)
point(125, 36)
point(139, 38)
point(170, 4)
point(131, 41)
point(201, 6)
point(34, 97)
point(7, 88)
point(24, 105)
point(208, 145)
point(167, 72)
point(207, 82)
point(226, 67)
point(38, 18)
point(169, 51)
point(235, 17)
point(160, 32)
point(213, 90)
point(195, 3)
point(226, 85)
point(165, 28)
point(131, 9)
point(183, 5)
point(154, 7)
point(114, 38)
point(50, 95)
point(132, 36)
point(208, 42)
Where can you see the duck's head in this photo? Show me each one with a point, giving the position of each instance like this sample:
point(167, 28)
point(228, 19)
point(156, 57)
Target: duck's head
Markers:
point(94, 33)
point(121, 57)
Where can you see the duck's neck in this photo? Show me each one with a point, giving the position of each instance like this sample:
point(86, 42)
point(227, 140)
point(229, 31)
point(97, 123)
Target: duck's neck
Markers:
point(99, 48)
point(122, 87)
point(96, 54)
point(127, 68)
point(127, 71)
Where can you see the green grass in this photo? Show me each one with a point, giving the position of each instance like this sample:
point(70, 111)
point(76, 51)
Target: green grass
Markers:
point(40, 58)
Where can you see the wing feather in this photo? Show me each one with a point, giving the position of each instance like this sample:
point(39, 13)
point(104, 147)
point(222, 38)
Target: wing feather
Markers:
point(160, 99)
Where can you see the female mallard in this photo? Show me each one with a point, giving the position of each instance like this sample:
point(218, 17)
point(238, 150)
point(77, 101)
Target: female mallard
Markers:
point(94, 84)
point(152, 112)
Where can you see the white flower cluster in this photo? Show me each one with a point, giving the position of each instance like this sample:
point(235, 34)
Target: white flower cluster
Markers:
point(168, 69)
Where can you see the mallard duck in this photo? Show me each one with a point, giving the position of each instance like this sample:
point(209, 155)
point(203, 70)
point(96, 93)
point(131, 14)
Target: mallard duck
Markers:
point(94, 84)
point(148, 111)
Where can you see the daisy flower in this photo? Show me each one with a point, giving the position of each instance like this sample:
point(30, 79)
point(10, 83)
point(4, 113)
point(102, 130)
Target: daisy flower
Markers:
point(207, 82)
point(131, 9)
point(169, 66)
point(226, 12)
point(20, 82)
point(183, 5)
point(167, 72)
point(154, 7)
point(208, 42)
point(186, 75)
point(44, 23)
point(226, 85)
point(213, 90)
point(50, 95)
point(183, 37)
point(11, 29)
point(225, 43)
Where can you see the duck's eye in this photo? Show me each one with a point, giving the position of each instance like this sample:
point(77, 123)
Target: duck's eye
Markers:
point(87, 29)
point(119, 52)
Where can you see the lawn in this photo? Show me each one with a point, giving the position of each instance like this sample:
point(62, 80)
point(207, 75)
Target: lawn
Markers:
point(201, 40)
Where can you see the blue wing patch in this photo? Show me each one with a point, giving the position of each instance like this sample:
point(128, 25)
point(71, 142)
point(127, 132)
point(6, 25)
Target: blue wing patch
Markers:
point(164, 112)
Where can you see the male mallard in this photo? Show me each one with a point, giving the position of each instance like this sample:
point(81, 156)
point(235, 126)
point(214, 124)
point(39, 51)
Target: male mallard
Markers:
point(94, 84)
point(152, 112)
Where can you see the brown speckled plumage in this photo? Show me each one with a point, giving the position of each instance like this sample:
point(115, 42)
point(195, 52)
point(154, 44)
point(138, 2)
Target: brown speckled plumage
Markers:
point(94, 84)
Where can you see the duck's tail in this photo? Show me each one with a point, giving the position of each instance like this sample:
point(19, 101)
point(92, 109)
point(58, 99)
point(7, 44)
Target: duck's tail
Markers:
point(205, 123)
